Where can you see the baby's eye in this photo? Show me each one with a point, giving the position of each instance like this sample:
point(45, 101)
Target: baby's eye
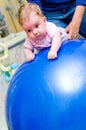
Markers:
point(36, 26)
point(29, 30)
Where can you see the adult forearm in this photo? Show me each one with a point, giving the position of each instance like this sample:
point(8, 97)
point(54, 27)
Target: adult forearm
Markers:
point(79, 11)
point(73, 27)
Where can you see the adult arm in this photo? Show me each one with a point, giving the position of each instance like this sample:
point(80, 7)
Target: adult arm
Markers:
point(73, 28)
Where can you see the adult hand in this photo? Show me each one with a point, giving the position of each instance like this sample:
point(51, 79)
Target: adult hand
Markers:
point(72, 29)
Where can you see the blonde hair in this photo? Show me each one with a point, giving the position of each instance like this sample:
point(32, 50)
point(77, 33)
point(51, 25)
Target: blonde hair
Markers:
point(25, 11)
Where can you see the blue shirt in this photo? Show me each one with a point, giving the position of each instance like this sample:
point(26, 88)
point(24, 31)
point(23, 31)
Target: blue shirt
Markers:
point(51, 5)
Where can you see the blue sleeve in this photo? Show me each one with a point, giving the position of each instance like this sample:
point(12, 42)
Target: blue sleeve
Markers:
point(78, 2)
point(81, 2)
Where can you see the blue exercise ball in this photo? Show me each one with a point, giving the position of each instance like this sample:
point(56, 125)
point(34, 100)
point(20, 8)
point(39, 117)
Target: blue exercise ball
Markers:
point(50, 94)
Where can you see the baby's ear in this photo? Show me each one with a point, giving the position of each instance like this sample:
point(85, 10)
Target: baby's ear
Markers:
point(44, 19)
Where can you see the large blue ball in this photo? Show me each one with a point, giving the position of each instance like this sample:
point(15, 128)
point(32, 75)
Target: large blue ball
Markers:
point(50, 94)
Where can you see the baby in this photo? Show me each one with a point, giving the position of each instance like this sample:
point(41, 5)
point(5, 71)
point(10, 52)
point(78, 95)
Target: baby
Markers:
point(40, 32)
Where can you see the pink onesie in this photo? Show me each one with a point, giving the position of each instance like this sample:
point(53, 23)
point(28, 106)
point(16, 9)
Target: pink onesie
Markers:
point(51, 29)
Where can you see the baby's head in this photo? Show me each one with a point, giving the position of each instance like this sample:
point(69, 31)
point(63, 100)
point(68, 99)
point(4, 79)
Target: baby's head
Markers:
point(32, 21)
point(26, 10)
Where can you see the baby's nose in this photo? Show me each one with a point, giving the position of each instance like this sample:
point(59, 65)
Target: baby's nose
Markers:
point(35, 32)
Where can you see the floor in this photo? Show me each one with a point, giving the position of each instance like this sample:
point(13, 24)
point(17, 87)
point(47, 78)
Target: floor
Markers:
point(15, 56)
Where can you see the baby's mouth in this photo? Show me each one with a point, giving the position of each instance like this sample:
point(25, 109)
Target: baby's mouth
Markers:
point(39, 38)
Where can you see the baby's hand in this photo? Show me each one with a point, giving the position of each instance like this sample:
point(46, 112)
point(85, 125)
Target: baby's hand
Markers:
point(30, 57)
point(52, 54)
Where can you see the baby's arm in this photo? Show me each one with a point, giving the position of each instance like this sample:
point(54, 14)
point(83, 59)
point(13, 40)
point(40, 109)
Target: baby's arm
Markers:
point(29, 55)
point(56, 43)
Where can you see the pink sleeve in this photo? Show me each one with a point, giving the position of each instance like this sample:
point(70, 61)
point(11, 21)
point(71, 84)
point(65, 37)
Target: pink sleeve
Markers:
point(51, 29)
point(28, 44)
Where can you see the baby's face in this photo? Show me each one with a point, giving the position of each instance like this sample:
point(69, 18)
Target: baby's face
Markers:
point(35, 27)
